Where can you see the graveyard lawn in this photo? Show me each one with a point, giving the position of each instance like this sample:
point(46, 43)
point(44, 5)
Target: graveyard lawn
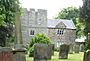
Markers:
point(71, 57)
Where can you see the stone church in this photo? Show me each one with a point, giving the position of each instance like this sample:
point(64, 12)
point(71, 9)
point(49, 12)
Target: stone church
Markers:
point(59, 31)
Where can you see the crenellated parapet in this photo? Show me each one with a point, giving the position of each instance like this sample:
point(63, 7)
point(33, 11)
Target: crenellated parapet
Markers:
point(35, 18)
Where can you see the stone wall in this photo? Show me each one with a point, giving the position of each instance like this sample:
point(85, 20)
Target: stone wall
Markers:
point(33, 20)
point(37, 21)
point(68, 36)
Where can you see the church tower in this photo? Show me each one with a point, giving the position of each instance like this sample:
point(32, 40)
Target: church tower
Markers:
point(42, 18)
point(32, 23)
point(24, 25)
point(37, 22)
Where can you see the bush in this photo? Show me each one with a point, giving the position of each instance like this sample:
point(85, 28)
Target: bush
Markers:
point(87, 47)
point(39, 38)
point(31, 50)
point(56, 49)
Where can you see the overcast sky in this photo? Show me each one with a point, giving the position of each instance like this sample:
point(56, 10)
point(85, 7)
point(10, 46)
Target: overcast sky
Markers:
point(52, 6)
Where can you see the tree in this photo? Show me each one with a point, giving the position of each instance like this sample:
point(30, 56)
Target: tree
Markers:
point(85, 16)
point(3, 34)
point(85, 19)
point(7, 18)
point(39, 38)
point(72, 13)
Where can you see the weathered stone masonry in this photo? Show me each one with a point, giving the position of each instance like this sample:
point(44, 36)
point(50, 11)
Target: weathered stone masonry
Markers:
point(60, 31)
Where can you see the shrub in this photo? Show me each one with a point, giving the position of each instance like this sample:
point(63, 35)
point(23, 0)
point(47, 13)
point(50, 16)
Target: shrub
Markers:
point(56, 49)
point(31, 51)
point(39, 38)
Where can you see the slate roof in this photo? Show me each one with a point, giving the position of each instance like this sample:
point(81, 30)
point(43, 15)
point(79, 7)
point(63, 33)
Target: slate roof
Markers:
point(68, 23)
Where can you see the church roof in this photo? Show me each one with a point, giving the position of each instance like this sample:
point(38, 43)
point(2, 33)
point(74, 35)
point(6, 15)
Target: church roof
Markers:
point(68, 23)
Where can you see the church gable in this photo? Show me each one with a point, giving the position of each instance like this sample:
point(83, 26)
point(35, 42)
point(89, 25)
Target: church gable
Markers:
point(60, 25)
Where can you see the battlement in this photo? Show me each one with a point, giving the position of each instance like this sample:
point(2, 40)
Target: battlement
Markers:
point(25, 10)
point(42, 10)
point(33, 10)
point(35, 17)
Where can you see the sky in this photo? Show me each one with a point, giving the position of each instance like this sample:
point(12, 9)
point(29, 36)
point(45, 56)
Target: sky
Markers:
point(53, 7)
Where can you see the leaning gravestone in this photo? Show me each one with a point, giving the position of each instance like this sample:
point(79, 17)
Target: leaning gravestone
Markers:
point(63, 51)
point(6, 54)
point(76, 48)
point(86, 56)
point(40, 52)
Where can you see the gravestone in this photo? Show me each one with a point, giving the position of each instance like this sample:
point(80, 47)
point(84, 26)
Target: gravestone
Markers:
point(71, 49)
point(50, 50)
point(76, 48)
point(82, 48)
point(40, 52)
point(86, 56)
point(63, 51)
point(6, 54)
point(19, 55)
point(53, 46)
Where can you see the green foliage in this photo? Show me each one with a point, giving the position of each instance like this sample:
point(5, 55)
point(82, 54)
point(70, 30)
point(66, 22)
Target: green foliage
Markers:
point(56, 49)
point(72, 57)
point(31, 51)
point(87, 47)
point(7, 18)
point(69, 13)
point(85, 19)
point(7, 11)
point(39, 38)
point(3, 34)
point(72, 13)
point(85, 16)
point(80, 28)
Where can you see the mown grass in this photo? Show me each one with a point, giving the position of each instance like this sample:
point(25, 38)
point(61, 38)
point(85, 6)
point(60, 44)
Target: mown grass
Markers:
point(71, 57)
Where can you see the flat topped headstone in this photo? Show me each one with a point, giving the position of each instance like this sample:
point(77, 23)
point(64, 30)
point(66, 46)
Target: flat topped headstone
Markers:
point(40, 52)
point(20, 50)
point(19, 54)
point(63, 51)
point(71, 49)
point(50, 51)
point(86, 56)
point(76, 48)
point(6, 54)
point(7, 49)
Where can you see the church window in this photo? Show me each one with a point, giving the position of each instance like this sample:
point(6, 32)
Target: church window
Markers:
point(60, 31)
point(32, 32)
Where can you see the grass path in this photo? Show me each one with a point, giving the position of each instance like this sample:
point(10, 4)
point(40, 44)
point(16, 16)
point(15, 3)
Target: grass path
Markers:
point(71, 57)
